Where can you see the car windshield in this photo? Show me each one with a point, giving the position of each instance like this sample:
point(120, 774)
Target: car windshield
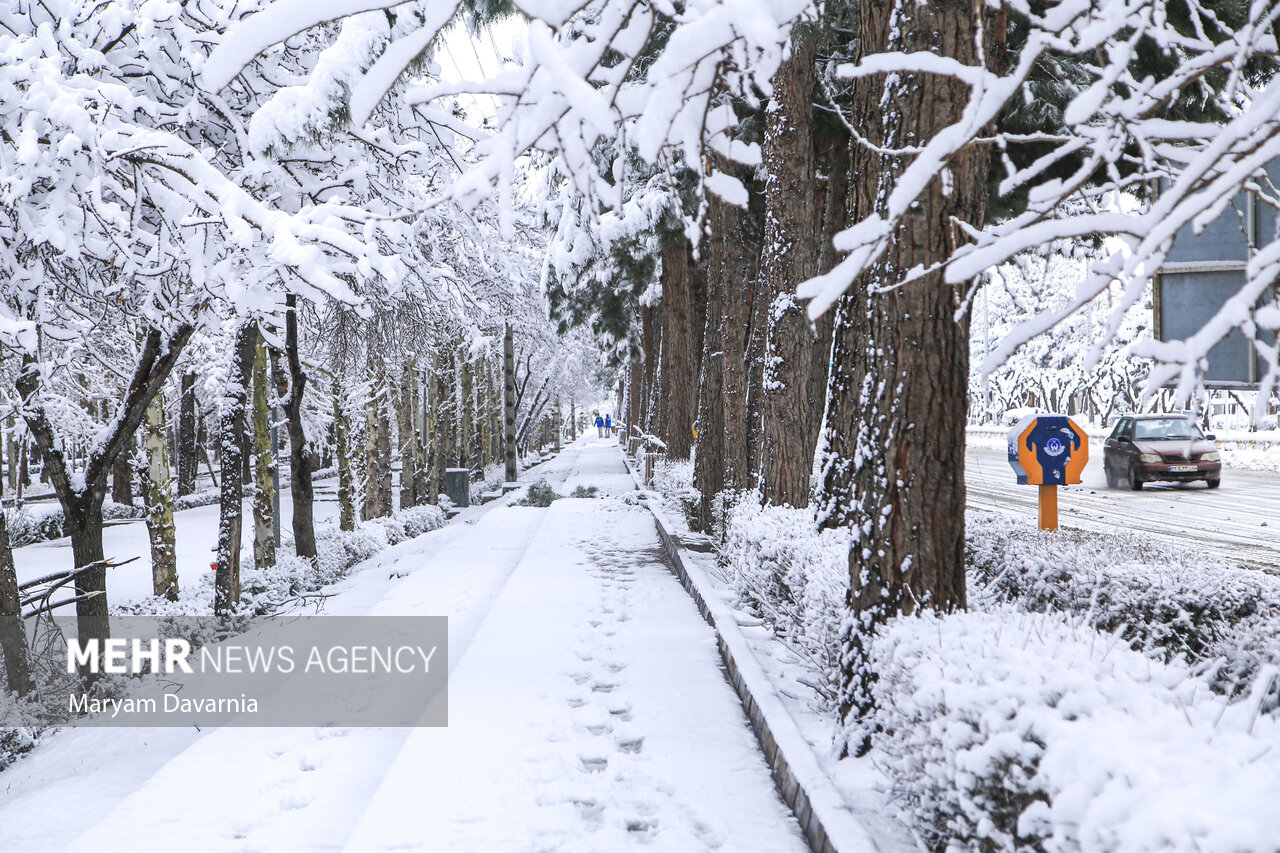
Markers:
point(1166, 429)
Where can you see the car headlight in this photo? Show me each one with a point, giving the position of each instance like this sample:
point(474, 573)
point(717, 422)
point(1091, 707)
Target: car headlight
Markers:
point(1211, 456)
point(1148, 457)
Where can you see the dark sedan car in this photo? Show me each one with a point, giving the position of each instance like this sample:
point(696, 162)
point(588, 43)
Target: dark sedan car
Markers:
point(1143, 448)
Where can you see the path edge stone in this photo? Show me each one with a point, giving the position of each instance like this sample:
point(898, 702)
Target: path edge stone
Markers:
point(827, 822)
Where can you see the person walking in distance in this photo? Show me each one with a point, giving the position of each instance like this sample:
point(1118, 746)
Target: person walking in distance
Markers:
point(608, 425)
point(599, 426)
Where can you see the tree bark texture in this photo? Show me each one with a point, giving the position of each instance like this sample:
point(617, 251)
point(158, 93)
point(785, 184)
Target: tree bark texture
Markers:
point(346, 478)
point(408, 436)
point(377, 486)
point(467, 443)
point(264, 490)
point(738, 250)
point(446, 399)
point(681, 353)
point(708, 472)
point(13, 636)
point(122, 480)
point(429, 486)
point(12, 453)
point(159, 503)
point(789, 257)
point(232, 440)
point(187, 454)
point(289, 390)
point(509, 404)
point(894, 463)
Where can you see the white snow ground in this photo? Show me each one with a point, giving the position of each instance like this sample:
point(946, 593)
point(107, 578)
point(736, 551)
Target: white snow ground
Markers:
point(587, 712)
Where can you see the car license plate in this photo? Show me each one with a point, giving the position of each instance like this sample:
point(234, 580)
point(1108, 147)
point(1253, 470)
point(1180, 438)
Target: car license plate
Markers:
point(1181, 469)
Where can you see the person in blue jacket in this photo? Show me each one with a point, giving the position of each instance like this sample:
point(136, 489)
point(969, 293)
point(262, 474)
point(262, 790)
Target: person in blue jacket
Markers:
point(608, 425)
point(599, 427)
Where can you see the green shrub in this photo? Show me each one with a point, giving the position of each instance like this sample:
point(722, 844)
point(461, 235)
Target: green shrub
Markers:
point(540, 494)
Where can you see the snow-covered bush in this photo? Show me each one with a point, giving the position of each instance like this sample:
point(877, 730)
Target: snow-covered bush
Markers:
point(43, 521)
point(30, 524)
point(1009, 731)
point(418, 520)
point(204, 497)
point(1167, 601)
point(539, 494)
point(16, 741)
point(788, 572)
point(674, 478)
point(265, 591)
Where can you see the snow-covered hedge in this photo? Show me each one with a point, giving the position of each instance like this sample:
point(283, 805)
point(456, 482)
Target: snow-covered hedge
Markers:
point(1009, 731)
point(674, 478)
point(791, 574)
point(337, 552)
point(40, 522)
point(15, 741)
point(1167, 601)
point(265, 591)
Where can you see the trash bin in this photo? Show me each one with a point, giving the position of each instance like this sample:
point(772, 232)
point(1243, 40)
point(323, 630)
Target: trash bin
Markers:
point(457, 485)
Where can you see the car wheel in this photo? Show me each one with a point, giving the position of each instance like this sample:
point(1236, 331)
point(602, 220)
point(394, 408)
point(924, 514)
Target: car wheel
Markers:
point(1112, 480)
point(1135, 482)
point(1213, 482)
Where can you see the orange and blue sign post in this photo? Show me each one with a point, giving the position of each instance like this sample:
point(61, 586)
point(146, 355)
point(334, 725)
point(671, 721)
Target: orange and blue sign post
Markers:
point(1048, 451)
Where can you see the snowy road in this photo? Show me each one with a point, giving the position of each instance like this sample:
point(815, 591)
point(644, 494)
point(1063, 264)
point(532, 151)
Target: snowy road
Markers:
point(588, 711)
point(1238, 522)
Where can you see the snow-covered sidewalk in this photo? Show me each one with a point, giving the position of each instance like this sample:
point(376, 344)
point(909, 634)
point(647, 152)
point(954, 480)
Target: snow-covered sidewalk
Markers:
point(588, 711)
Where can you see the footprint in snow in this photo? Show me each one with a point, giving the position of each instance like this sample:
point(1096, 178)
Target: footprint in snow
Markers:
point(632, 746)
point(594, 765)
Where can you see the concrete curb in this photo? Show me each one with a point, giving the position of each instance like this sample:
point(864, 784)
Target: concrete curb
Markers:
point(829, 826)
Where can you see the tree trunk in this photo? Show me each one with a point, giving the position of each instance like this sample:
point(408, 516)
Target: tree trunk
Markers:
point(509, 404)
point(264, 491)
point(833, 157)
point(466, 412)
point(789, 257)
point(11, 457)
point(408, 436)
point(429, 487)
point(650, 342)
point(83, 519)
point(81, 497)
point(445, 399)
point(290, 390)
point(13, 635)
point(346, 482)
point(188, 458)
point(122, 480)
point(708, 474)
point(681, 329)
point(232, 441)
point(753, 370)
point(894, 462)
point(739, 253)
point(159, 502)
point(377, 450)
